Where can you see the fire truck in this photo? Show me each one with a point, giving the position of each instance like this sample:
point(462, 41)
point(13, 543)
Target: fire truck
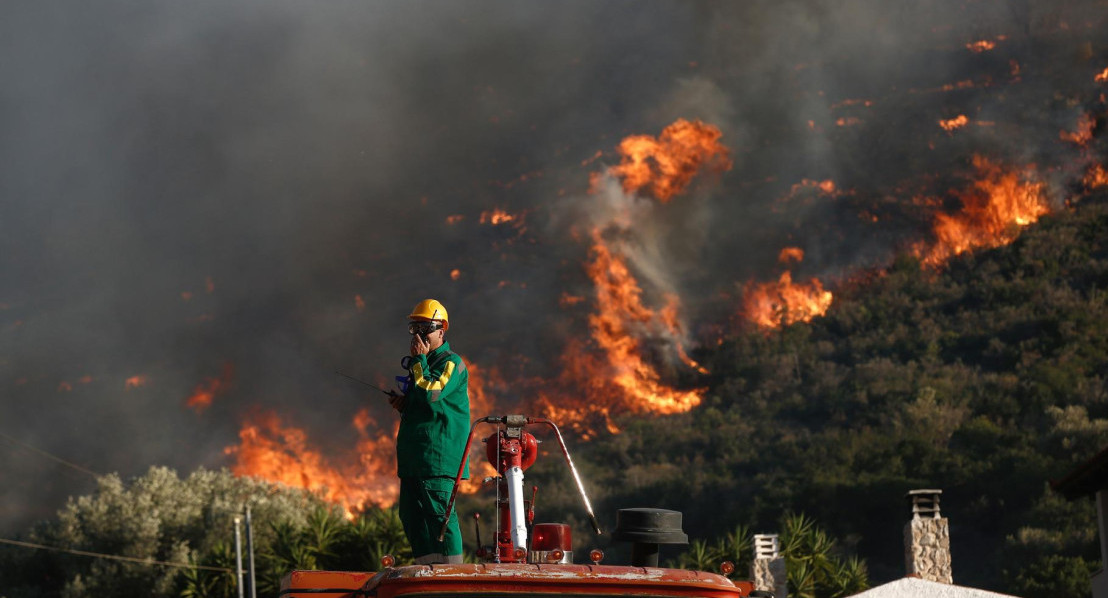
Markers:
point(530, 558)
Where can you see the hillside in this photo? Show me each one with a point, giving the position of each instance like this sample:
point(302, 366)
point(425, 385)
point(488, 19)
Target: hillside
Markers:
point(985, 379)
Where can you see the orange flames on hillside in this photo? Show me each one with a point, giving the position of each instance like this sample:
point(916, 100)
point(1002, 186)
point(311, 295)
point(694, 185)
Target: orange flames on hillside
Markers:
point(954, 123)
point(966, 84)
point(994, 208)
point(1083, 133)
point(616, 373)
point(620, 319)
point(790, 254)
point(827, 186)
point(276, 452)
point(134, 382)
point(496, 217)
point(665, 165)
point(981, 46)
point(205, 392)
point(1097, 176)
point(365, 476)
point(783, 302)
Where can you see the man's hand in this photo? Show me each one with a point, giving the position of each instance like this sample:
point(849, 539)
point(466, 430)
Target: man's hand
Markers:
point(396, 400)
point(419, 346)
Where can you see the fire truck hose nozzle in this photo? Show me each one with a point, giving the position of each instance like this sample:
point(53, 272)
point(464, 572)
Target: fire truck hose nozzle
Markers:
point(514, 477)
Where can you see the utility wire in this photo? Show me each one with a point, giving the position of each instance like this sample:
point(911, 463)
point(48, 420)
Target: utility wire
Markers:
point(49, 456)
point(116, 557)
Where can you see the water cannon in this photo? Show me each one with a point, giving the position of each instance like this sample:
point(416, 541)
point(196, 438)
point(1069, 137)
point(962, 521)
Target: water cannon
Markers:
point(511, 450)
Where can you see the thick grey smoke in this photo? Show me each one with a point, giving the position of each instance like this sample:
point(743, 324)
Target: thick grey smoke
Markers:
point(185, 185)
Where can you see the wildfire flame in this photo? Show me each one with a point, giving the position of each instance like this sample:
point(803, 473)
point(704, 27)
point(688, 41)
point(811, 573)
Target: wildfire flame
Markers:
point(206, 391)
point(826, 186)
point(1097, 176)
point(481, 399)
point(1084, 133)
point(954, 123)
point(567, 300)
point(852, 102)
point(993, 209)
point(134, 382)
point(619, 310)
point(628, 334)
point(966, 84)
point(619, 379)
point(1102, 77)
point(981, 46)
point(496, 217)
point(790, 254)
point(667, 164)
point(273, 451)
point(276, 452)
point(783, 302)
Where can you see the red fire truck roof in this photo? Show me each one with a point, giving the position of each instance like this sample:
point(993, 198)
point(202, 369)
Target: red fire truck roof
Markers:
point(512, 578)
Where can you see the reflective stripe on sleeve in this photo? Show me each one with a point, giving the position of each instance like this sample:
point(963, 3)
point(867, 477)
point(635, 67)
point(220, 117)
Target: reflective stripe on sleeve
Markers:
point(425, 384)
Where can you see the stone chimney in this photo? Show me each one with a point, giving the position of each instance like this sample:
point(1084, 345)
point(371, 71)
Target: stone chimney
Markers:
point(927, 538)
point(768, 568)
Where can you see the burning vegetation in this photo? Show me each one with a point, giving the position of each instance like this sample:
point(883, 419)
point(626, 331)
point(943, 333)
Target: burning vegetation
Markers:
point(783, 302)
point(665, 165)
point(272, 450)
point(617, 327)
point(205, 392)
point(993, 210)
point(954, 123)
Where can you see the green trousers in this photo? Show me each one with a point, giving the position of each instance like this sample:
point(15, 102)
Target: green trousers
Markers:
point(422, 505)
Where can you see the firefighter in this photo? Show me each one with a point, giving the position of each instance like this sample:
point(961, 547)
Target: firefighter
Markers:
point(434, 429)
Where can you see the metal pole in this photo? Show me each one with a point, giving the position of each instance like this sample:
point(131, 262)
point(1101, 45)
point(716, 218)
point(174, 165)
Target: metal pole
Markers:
point(1101, 516)
point(238, 556)
point(250, 553)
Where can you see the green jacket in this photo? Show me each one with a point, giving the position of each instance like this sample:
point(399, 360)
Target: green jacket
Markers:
point(434, 426)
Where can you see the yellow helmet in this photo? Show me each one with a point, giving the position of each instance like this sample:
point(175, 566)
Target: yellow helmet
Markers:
point(430, 309)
